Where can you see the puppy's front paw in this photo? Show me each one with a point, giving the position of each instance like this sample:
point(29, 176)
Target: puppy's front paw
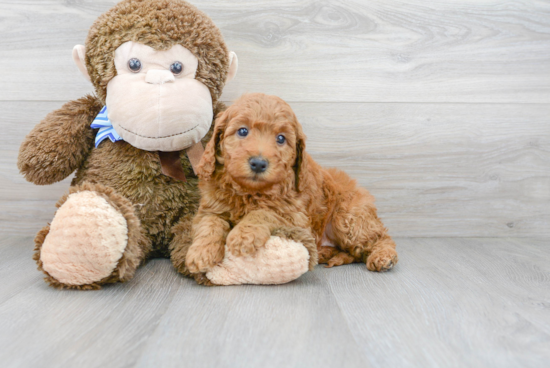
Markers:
point(246, 240)
point(202, 257)
point(382, 260)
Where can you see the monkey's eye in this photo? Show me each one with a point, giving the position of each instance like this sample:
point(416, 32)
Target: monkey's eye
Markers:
point(281, 139)
point(243, 132)
point(176, 68)
point(134, 65)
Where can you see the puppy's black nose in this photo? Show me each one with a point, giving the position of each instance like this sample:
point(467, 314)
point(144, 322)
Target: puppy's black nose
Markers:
point(258, 164)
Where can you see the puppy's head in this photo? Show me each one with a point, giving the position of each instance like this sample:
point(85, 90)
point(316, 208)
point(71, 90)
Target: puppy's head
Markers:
point(257, 143)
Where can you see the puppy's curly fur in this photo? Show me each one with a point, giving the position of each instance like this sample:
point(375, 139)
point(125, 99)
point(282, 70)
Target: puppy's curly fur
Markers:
point(242, 207)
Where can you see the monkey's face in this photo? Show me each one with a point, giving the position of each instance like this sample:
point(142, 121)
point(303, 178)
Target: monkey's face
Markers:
point(155, 103)
point(157, 100)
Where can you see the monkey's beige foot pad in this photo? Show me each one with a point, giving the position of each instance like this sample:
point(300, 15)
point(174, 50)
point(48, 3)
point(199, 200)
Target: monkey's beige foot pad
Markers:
point(87, 238)
point(278, 262)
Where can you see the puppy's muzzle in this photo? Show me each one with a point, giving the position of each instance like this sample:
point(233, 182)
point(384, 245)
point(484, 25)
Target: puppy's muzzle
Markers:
point(258, 164)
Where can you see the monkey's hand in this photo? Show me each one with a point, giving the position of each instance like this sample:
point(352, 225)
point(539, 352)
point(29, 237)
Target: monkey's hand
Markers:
point(60, 143)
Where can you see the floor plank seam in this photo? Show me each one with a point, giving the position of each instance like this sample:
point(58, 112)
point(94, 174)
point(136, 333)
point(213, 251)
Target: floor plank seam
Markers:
point(32, 284)
point(343, 315)
point(168, 303)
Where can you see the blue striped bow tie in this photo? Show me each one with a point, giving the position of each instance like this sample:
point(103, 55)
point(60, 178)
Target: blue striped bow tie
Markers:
point(105, 127)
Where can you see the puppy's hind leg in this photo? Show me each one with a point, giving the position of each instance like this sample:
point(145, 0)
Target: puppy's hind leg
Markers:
point(356, 228)
point(331, 255)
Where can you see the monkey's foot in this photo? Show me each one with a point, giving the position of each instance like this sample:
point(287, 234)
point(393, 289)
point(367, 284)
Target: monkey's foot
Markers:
point(93, 239)
point(278, 262)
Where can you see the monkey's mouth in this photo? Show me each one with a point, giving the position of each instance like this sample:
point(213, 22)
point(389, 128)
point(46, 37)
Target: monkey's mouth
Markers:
point(181, 139)
point(159, 137)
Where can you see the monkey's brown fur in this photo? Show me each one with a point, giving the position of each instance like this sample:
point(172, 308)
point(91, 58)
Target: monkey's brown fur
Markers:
point(241, 209)
point(132, 20)
point(129, 179)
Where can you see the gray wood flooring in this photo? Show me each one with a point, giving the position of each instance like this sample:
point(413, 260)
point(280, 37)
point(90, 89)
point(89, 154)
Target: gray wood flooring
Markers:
point(468, 302)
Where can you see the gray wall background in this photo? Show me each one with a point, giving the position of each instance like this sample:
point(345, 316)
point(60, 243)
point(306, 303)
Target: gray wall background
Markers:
point(441, 109)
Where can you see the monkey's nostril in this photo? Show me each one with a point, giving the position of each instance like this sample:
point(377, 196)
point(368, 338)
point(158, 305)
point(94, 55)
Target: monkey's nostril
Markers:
point(155, 76)
point(258, 164)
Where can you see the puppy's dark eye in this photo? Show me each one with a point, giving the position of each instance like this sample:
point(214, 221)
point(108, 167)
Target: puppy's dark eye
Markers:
point(176, 68)
point(134, 65)
point(243, 132)
point(281, 139)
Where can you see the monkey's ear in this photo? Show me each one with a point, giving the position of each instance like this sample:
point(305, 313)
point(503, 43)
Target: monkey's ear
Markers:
point(207, 166)
point(233, 66)
point(79, 57)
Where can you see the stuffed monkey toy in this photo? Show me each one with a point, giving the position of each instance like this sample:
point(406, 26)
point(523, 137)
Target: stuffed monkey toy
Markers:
point(158, 68)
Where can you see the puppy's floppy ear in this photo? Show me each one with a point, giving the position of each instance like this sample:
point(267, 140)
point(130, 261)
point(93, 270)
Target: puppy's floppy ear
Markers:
point(207, 166)
point(301, 163)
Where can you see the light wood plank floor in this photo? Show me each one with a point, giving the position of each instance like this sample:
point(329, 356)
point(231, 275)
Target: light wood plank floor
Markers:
point(471, 302)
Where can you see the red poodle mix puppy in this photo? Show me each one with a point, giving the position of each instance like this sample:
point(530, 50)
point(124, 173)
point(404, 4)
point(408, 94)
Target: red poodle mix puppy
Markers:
point(256, 177)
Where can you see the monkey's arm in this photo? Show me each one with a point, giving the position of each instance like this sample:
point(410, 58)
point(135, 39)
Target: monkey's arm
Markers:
point(60, 143)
